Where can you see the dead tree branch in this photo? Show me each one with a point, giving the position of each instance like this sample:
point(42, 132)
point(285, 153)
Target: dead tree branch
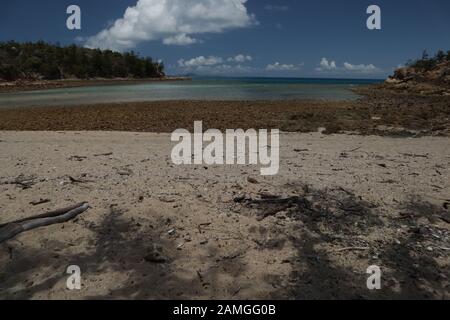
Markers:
point(12, 229)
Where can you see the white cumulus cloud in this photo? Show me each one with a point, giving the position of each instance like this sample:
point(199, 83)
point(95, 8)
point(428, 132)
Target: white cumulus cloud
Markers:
point(364, 68)
point(277, 66)
point(180, 39)
point(174, 22)
point(200, 61)
point(330, 66)
point(216, 65)
point(327, 65)
point(240, 58)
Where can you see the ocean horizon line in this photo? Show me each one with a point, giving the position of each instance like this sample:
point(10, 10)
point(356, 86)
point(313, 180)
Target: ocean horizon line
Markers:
point(211, 77)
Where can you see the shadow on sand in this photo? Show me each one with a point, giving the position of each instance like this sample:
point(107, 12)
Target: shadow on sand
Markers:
point(135, 252)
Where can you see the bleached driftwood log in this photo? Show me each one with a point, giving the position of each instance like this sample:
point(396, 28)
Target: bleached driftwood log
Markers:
point(12, 229)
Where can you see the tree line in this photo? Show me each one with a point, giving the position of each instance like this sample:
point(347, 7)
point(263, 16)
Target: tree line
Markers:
point(427, 62)
point(40, 60)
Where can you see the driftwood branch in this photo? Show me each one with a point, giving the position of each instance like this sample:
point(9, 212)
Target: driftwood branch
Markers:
point(12, 229)
point(352, 249)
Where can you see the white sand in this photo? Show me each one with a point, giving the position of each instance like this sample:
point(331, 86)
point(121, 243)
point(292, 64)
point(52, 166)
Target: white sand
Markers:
point(137, 196)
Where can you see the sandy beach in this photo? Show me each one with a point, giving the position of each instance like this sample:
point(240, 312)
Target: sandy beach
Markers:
point(225, 158)
point(158, 231)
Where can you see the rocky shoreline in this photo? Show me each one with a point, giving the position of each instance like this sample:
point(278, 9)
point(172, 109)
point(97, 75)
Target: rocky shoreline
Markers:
point(380, 111)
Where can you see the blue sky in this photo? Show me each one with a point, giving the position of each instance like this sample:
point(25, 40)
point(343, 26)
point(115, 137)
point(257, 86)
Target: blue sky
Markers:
point(321, 38)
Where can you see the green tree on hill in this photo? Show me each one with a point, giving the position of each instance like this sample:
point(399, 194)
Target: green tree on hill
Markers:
point(426, 63)
point(40, 60)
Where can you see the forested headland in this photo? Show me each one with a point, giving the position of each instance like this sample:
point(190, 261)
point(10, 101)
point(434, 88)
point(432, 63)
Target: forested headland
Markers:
point(43, 61)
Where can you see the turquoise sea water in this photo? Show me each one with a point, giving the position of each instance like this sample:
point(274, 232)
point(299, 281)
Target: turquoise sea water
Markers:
point(197, 89)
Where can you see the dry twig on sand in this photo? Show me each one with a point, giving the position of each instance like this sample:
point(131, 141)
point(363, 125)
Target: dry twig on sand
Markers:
point(12, 229)
point(352, 249)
